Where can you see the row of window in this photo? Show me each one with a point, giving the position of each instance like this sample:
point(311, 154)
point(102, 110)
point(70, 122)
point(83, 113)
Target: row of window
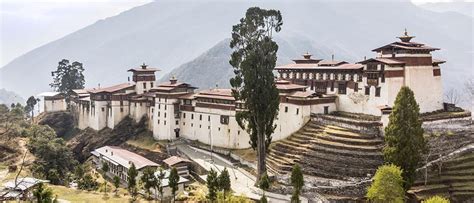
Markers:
point(209, 127)
point(297, 110)
point(223, 119)
point(322, 76)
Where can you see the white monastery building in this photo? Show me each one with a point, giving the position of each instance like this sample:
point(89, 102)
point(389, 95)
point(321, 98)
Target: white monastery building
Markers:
point(308, 86)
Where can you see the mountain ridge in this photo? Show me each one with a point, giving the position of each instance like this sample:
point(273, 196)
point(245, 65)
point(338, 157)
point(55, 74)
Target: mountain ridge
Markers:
point(168, 35)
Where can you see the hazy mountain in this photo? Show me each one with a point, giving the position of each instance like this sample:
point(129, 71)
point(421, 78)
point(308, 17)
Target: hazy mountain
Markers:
point(466, 8)
point(9, 97)
point(188, 36)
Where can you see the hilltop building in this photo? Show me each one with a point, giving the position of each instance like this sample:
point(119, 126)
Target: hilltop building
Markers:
point(307, 86)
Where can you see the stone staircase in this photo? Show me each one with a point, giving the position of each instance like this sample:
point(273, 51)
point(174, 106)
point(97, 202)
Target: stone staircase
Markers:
point(327, 151)
point(455, 181)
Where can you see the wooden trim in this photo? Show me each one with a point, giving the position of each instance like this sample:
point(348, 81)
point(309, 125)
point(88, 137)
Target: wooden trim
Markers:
point(216, 106)
point(437, 72)
point(394, 73)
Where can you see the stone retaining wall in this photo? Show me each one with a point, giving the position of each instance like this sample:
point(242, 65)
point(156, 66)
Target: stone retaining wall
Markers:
point(373, 128)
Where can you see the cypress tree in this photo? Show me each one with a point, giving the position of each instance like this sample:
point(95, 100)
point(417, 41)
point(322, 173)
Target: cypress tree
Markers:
point(404, 142)
point(254, 59)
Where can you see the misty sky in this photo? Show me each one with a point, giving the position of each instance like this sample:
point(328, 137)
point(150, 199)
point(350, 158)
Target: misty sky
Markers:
point(27, 24)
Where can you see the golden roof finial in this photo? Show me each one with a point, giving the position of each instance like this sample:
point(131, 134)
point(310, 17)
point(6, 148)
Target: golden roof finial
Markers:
point(405, 37)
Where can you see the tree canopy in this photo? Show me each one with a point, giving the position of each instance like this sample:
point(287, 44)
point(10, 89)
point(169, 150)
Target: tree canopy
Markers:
point(387, 185)
point(54, 160)
point(148, 180)
point(404, 142)
point(68, 77)
point(253, 61)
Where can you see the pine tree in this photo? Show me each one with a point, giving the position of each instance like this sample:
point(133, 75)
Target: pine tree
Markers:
point(105, 169)
point(30, 103)
point(116, 184)
point(132, 174)
point(404, 142)
point(159, 183)
point(297, 182)
point(224, 181)
point(148, 180)
point(43, 193)
point(212, 185)
point(387, 185)
point(173, 182)
point(254, 59)
point(68, 77)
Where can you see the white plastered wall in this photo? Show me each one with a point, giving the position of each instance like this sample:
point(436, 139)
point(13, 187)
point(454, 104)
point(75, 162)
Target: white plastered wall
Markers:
point(427, 88)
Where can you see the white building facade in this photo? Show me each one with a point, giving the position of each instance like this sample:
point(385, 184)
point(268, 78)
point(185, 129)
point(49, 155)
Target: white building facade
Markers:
point(308, 86)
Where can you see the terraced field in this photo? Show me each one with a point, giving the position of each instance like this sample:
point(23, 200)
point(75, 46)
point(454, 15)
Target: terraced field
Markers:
point(453, 178)
point(327, 151)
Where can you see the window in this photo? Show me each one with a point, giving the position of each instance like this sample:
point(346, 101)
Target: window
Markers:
point(184, 115)
point(121, 103)
point(151, 84)
point(165, 106)
point(238, 132)
point(159, 106)
point(359, 78)
point(200, 117)
point(367, 90)
point(208, 118)
point(165, 114)
point(103, 109)
point(192, 125)
point(135, 104)
point(121, 109)
point(208, 127)
point(144, 85)
point(224, 120)
point(377, 92)
point(192, 116)
point(158, 114)
point(341, 88)
point(382, 79)
point(200, 126)
point(356, 87)
point(140, 104)
point(158, 121)
point(177, 122)
point(286, 109)
point(332, 86)
point(184, 123)
point(297, 111)
point(165, 122)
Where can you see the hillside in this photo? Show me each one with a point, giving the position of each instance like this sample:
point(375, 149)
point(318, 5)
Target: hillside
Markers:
point(173, 34)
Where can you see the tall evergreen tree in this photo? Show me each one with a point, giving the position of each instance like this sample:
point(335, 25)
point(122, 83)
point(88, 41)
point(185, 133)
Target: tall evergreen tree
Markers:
point(43, 193)
point(105, 169)
point(212, 185)
point(31, 102)
point(68, 77)
point(116, 183)
point(148, 180)
point(173, 181)
point(253, 60)
point(224, 181)
point(132, 174)
point(404, 142)
point(159, 183)
point(297, 181)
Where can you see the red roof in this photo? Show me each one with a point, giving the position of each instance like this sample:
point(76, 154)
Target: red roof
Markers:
point(112, 88)
point(389, 61)
point(406, 46)
point(175, 160)
point(225, 94)
point(346, 66)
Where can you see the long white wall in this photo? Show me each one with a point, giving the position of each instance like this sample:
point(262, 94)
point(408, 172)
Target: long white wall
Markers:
point(164, 121)
point(55, 105)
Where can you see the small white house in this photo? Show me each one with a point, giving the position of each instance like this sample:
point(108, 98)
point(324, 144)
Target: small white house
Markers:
point(52, 102)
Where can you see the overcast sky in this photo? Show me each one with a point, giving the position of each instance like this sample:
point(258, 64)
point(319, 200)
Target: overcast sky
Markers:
point(27, 24)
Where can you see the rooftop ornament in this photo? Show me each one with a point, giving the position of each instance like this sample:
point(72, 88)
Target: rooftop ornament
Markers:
point(144, 65)
point(307, 56)
point(405, 37)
